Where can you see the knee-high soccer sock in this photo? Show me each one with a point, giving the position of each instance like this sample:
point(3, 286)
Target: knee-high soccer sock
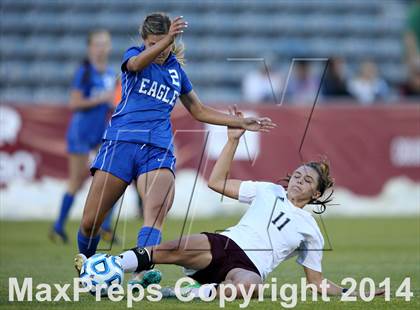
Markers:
point(136, 260)
point(148, 236)
point(87, 246)
point(64, 212)
point(106, 225)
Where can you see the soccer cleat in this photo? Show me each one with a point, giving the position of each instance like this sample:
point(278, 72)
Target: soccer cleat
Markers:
point(58, 236)
point(79, 260)
point(152, 276)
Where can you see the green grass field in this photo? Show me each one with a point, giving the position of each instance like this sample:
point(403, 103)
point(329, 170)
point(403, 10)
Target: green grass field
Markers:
point(361, 247)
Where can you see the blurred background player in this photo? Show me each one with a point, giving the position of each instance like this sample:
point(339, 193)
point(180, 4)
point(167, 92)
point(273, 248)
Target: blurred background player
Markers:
point(138, 141)
point(91, 98)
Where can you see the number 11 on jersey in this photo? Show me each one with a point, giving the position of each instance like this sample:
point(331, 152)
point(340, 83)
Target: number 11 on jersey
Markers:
point(283, 223)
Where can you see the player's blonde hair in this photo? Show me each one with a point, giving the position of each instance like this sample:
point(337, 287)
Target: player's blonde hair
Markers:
point(159, 23)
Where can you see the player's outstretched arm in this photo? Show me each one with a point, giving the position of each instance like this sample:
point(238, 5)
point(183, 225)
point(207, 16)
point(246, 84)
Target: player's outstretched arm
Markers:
point(209, 115)
point(333, 289)
point(315, 277)
point(219, 179)
point(139, 62)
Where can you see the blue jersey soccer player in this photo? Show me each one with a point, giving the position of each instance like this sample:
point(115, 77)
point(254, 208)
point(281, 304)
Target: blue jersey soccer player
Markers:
point(91, 99)
point(138, 141)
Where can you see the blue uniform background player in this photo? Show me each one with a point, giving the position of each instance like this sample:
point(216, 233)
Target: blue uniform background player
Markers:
point(138, 141)
point(91, 97)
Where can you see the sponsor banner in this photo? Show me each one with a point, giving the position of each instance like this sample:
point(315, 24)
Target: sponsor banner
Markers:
point(366, 146)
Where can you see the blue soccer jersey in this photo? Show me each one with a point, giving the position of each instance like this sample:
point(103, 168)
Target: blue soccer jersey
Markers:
point(87, 126)
point(148, 97)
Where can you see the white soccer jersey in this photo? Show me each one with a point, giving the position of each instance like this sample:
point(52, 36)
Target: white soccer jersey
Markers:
point(273, 229)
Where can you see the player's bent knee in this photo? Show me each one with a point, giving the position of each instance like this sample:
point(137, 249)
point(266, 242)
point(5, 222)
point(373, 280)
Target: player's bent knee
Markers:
point(89, 227)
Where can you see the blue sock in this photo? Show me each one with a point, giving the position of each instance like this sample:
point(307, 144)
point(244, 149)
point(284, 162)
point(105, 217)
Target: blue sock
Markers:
point(148, 236)
point(64, 212)
point(106, 225)
point(83, 243)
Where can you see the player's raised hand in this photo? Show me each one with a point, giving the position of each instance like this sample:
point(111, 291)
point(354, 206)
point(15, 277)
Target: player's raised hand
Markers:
point(235, 133)
point(258, 124)
point(177, 27)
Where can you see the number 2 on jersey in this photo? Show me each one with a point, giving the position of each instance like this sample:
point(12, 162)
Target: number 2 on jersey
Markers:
point(174, 76)
point(283, 224)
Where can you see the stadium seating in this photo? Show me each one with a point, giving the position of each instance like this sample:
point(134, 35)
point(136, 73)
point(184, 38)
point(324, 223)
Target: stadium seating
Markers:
point(52, 39)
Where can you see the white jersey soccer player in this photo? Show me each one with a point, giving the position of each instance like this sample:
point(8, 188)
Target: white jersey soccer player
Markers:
point(273, 229)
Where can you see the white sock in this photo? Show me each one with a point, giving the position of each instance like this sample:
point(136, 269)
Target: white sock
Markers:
point(129, 261)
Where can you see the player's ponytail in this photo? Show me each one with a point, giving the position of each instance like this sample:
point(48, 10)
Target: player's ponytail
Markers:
point(179, 51)
point(157, 24)
point(325, 182)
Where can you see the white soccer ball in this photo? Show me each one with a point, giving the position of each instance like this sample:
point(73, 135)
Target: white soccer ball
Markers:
point(101, 271)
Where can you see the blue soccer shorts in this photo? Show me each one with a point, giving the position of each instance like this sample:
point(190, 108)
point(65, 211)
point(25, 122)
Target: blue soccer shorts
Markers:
point(128, 160)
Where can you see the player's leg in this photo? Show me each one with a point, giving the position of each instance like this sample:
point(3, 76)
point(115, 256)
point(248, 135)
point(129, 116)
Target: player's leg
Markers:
point(113, 171)
point(191, 252)
point(245, 283)
point(104, 191)
point(107, 224)
point(156, 189)
point(107, 232)
point(77, 165)
point(243, 280)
